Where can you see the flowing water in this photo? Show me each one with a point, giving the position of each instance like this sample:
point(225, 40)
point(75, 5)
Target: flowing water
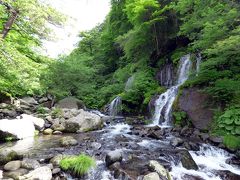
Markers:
point(129, 83)
point(115, 106)
point(198, 62)
point(163, 104)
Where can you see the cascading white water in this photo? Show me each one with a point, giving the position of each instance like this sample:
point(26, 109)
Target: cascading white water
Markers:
point(115, 106)
point(163, 104)
point(199, 61)
point(129, 83)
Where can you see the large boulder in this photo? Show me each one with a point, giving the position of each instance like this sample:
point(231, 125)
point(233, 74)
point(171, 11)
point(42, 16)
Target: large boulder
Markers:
point(70, 103)
point(12, 166)
point(87, 121)
point(187, 160)
point(17, 128)
point(38, 122)
point(28, 101)
point(198, 107)
point(41, 173)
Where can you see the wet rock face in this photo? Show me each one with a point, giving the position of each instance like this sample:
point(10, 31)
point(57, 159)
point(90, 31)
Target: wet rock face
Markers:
point(197, 106)
point(187, 160)
point(165, 75)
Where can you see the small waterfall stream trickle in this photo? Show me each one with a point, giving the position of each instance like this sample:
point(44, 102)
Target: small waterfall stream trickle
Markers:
point(115, 106)
point(163, 104)
point(198, 63)
point(129, 83)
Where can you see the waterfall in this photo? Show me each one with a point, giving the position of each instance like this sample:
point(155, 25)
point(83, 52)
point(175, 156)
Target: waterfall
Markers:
point(129, 83)
point(115, 106)
point(163, 105)
point(199, 60)
point(166, 75)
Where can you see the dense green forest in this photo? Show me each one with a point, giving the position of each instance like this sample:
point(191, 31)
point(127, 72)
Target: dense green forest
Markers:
point(135, 40)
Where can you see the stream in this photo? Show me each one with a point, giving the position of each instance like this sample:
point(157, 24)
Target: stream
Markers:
point(137, 151)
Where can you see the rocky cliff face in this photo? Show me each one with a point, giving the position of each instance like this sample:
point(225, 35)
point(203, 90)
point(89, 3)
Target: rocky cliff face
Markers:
point(198, 107)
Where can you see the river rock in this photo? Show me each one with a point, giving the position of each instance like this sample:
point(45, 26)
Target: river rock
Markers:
point(151, 176)
point(56, 171)
point(68, 141)
point(187, 160)
point(41, 173)
point(38, 122)
point(28, 101)
point(30, 164)
point(227, 175)
point(17, 128)
point(70, 103)
point(12, 165)
point(113, 156)
point(87, 121)
point(56, 159)
point(155, 166)
point(6, 157)
point(95, 145)
point(48, 131)
point(16, 174)
point(71, 127)
point(176, 142)
point(8, 113)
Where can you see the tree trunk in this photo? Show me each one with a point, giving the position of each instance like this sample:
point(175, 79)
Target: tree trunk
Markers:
point(13, 14)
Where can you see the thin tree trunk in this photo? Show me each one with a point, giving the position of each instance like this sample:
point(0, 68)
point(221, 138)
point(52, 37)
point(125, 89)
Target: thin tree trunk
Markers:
point(13, 14)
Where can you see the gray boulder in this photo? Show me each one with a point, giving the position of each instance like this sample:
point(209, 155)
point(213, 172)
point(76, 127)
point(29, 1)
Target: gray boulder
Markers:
point(70, 103)
point(87, 121)
point(113, 156)
point(30, 164)
point(48, 131)
point(12, 166)
point(176, 142)
point(28, 101)
point(68, 141)
point(41, 173)
point(70, 127)
point(187, 160)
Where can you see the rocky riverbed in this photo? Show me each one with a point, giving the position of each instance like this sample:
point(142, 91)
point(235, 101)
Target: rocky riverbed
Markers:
point(122, 151)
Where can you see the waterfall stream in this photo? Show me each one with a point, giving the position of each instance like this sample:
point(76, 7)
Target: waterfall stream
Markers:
point(163, 104)
point(115, 106)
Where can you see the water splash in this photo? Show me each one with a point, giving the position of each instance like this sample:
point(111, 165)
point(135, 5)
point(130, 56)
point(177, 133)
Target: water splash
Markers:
point(163, 105)
point(129, 83)
point(115, 106)
point(210, 159)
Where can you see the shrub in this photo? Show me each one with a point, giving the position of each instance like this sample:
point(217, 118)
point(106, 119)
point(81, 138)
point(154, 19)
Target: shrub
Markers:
point(231, 142)
point(179, 117)
point(57, 112)
point(79, 165)
point(230, 120)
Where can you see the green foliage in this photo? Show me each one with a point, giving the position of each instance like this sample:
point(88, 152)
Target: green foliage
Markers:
point(21, 64)
point(9, 138)
point(57, 113)
point(231, 142)
point(41, 110)
point(79, 165)
point(230, 120)
point(179, 117)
